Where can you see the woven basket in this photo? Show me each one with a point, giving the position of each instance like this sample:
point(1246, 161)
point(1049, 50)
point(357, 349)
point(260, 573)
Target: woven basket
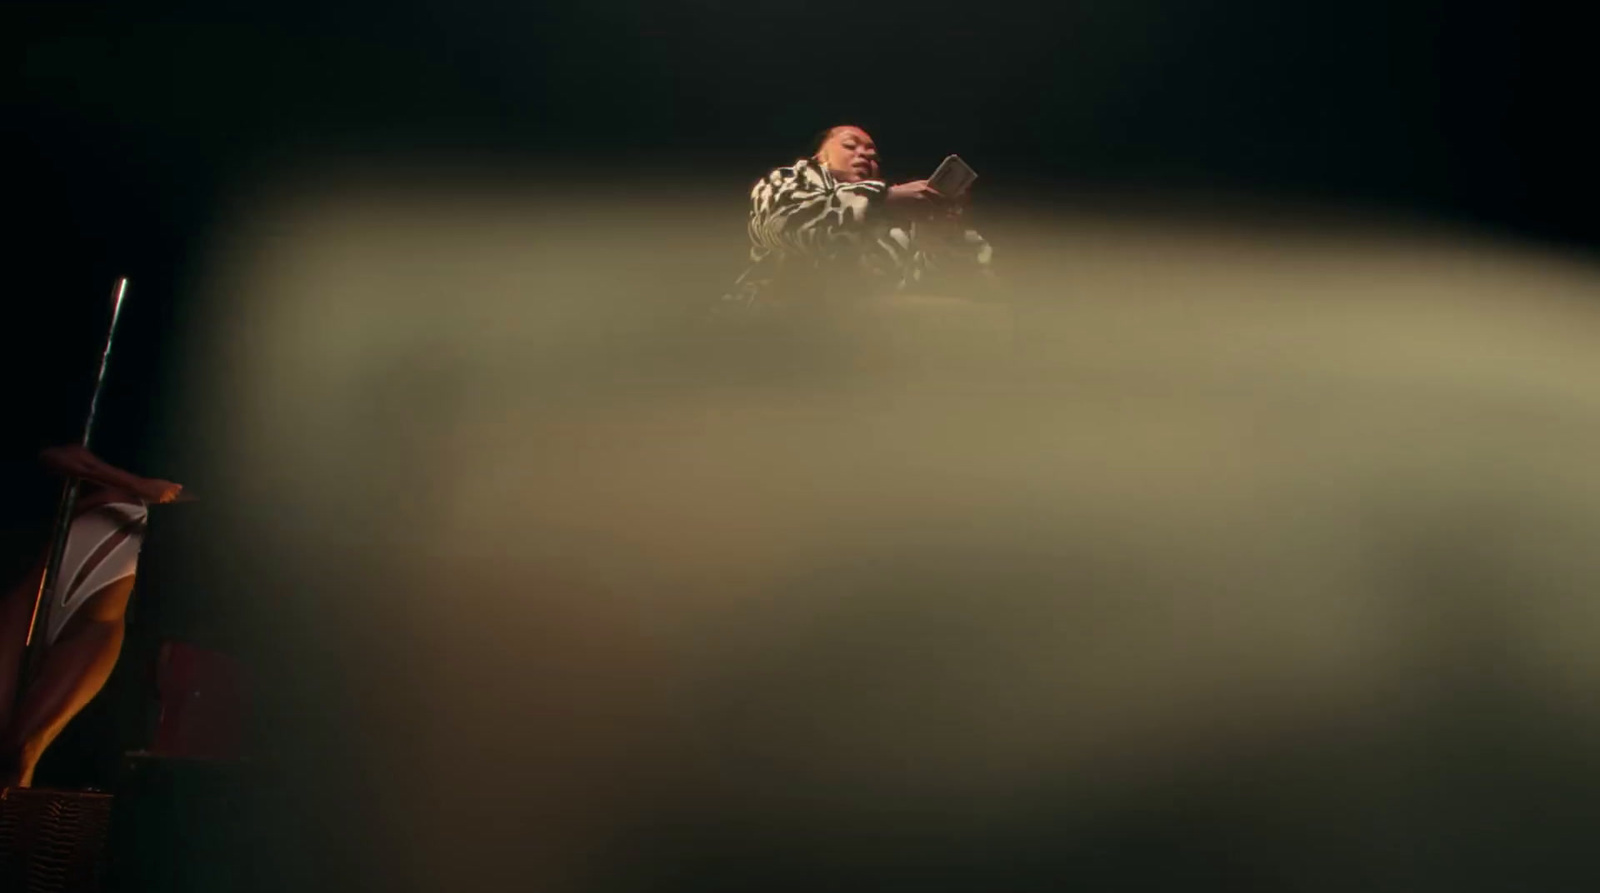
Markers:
point(52, 841)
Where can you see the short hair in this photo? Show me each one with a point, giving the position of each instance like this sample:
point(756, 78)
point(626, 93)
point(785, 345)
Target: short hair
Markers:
point(820, 138)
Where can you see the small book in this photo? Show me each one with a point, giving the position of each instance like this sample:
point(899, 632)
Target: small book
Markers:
point(953, 176)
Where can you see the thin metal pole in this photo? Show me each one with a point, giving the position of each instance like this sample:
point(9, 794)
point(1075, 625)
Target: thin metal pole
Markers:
point(43, 599)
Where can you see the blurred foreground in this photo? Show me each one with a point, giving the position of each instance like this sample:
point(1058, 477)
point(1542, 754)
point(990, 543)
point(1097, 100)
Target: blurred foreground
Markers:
point(1236, 554)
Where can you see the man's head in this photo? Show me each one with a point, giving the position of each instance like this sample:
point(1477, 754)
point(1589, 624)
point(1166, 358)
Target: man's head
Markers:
point(849, 152)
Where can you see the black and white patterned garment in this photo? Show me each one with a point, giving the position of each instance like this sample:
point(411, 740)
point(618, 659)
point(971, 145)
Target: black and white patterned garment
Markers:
point(812, 236)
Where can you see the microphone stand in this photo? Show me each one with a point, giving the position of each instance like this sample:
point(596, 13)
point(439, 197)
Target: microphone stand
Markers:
point(43, 600)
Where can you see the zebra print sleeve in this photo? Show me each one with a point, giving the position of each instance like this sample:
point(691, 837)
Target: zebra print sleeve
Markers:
point(802, 210)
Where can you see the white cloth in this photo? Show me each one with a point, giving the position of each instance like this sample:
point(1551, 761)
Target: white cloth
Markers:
point(102, 548)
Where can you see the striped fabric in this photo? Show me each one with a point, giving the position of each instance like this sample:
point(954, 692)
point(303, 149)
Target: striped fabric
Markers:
point(810, 233)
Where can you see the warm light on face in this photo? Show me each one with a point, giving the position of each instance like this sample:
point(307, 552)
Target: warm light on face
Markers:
point(850, 153)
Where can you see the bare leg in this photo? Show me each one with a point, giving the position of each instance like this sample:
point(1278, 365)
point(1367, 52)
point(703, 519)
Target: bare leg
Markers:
point(72, 673)
point(16, 613)
point(77, 664)
point(16, 609)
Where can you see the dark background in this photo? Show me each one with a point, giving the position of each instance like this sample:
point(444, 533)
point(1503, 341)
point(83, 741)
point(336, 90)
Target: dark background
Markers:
point(128, 126)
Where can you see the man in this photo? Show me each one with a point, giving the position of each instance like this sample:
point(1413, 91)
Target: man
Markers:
point(827, 229)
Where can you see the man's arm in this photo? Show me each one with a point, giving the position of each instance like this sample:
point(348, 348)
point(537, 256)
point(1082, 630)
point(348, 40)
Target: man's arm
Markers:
point(75, 461)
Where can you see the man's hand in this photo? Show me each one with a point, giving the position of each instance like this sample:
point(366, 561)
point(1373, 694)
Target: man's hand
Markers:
point(160, 492)
point(917, 193)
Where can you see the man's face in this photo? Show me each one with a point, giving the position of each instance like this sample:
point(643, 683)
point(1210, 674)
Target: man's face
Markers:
point(851, 154)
